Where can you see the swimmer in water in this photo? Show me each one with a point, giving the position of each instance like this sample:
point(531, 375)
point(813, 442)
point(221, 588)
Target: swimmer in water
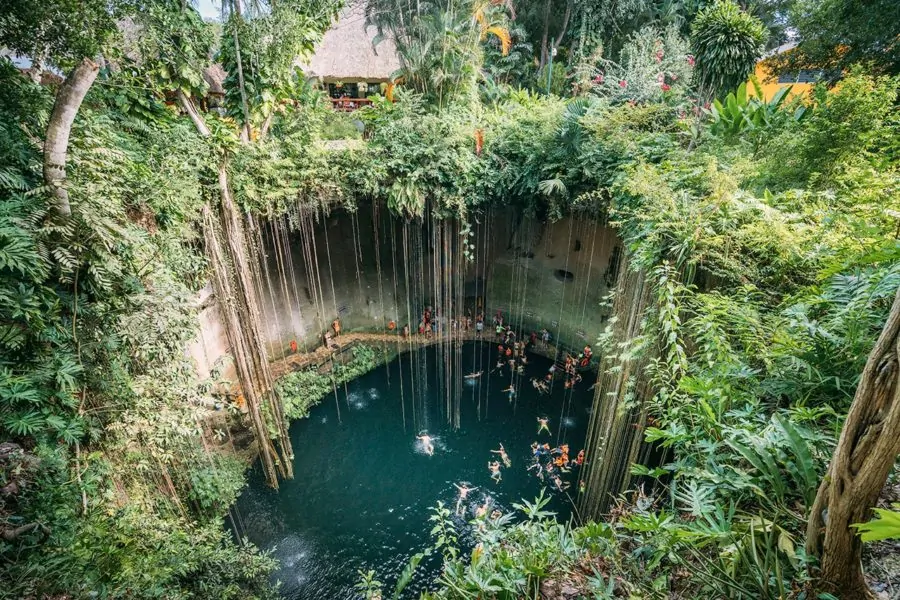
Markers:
point(463, 492)
point(503, 456)
point(511, 390)
point(543, 425)
point(427, 444)
point(473, 375)
point(481, 511)
point(494, 468)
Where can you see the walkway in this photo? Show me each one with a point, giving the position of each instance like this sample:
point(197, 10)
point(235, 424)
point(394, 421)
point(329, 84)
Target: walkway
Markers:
point(321, 355)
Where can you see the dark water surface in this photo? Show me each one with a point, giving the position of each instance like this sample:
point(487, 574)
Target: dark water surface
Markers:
point(363, 487)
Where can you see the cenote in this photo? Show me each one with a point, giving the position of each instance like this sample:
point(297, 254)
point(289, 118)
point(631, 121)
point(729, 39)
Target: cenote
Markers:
point(363, 487)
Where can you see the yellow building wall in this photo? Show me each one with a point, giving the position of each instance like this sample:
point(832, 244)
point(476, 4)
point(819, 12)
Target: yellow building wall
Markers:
point(770, 86)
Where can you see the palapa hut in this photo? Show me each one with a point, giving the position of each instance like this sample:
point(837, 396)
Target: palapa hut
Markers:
point(346, 62)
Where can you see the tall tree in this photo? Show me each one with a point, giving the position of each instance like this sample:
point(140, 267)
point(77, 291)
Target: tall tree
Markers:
point(865, 454)
point(835, 34)
point(69, 35)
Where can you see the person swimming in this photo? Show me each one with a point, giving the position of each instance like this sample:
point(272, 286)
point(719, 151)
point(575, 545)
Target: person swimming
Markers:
point(503, 456)
point(511, 390)
point(427, 443)
point(494, 468)
point(464, 490)
point(544, 425)
point(579, 460)
point(482, 510)
point(473, 375)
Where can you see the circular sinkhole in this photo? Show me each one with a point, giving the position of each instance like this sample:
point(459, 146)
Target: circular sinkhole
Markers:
point(564, 276)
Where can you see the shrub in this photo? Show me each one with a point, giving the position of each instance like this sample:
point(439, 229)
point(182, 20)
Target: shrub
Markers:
point(727, 43)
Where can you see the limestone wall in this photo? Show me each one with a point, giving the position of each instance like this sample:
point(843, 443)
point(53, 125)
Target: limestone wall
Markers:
point(370, 269)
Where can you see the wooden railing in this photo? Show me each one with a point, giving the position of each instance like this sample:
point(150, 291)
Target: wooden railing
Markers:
point(349, 104)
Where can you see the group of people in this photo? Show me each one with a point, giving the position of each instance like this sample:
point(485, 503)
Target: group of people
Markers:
point(553, 463)
point(433, 323)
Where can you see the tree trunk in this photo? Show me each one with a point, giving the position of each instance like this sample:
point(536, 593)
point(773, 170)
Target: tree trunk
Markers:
point(56, 144)
point(565, 25)
point(192, 112)
point(11, 535)
point(245, 107)
point(264, 129)
point(545, 35)
point(866, 451)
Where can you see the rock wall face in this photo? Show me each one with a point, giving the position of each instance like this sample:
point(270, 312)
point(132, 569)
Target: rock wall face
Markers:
point(369, 269)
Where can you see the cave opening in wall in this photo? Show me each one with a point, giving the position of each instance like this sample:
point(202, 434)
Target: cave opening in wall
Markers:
point(564, 275)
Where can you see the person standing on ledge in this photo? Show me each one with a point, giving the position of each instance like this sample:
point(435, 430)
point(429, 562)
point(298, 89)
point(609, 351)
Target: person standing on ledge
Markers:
point(336, 325)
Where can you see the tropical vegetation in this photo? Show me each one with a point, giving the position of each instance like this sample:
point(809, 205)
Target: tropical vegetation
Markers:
point(766, 231)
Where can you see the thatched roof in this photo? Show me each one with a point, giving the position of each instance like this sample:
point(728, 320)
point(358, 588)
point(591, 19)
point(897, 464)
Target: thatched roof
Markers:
point(346, 52)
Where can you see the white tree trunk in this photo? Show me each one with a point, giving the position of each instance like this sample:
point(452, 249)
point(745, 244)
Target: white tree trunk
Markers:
point(56, 143)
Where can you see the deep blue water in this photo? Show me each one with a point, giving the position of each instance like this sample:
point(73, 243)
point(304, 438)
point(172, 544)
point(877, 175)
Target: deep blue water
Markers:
point(363, 487)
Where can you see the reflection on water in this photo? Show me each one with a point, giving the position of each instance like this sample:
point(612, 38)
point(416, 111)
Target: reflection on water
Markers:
point(363, 484)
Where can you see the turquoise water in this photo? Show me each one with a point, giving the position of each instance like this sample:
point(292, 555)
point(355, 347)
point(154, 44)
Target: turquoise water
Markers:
point(363, 486)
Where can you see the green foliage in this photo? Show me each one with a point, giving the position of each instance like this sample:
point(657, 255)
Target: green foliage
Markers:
point(886, 526)
point(850, 128)
point(836, 35)
point(60, 32)
point(96, 314)
point(301, 390)
point(727, 42)
point(750, 117)
point(653, 66)
point(268, 45)
point(175, 45)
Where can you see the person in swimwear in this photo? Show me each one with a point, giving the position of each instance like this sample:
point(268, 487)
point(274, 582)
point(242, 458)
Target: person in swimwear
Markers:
point(473, 375)
point(336, 325)
point(464, 490)
point(293, 346)
point(503, 456)
point(427, 443)
point(494, 468)
point(543, 425)
point(405, 332)
point(579, 460)
point(511, 390)
point(481, 512)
